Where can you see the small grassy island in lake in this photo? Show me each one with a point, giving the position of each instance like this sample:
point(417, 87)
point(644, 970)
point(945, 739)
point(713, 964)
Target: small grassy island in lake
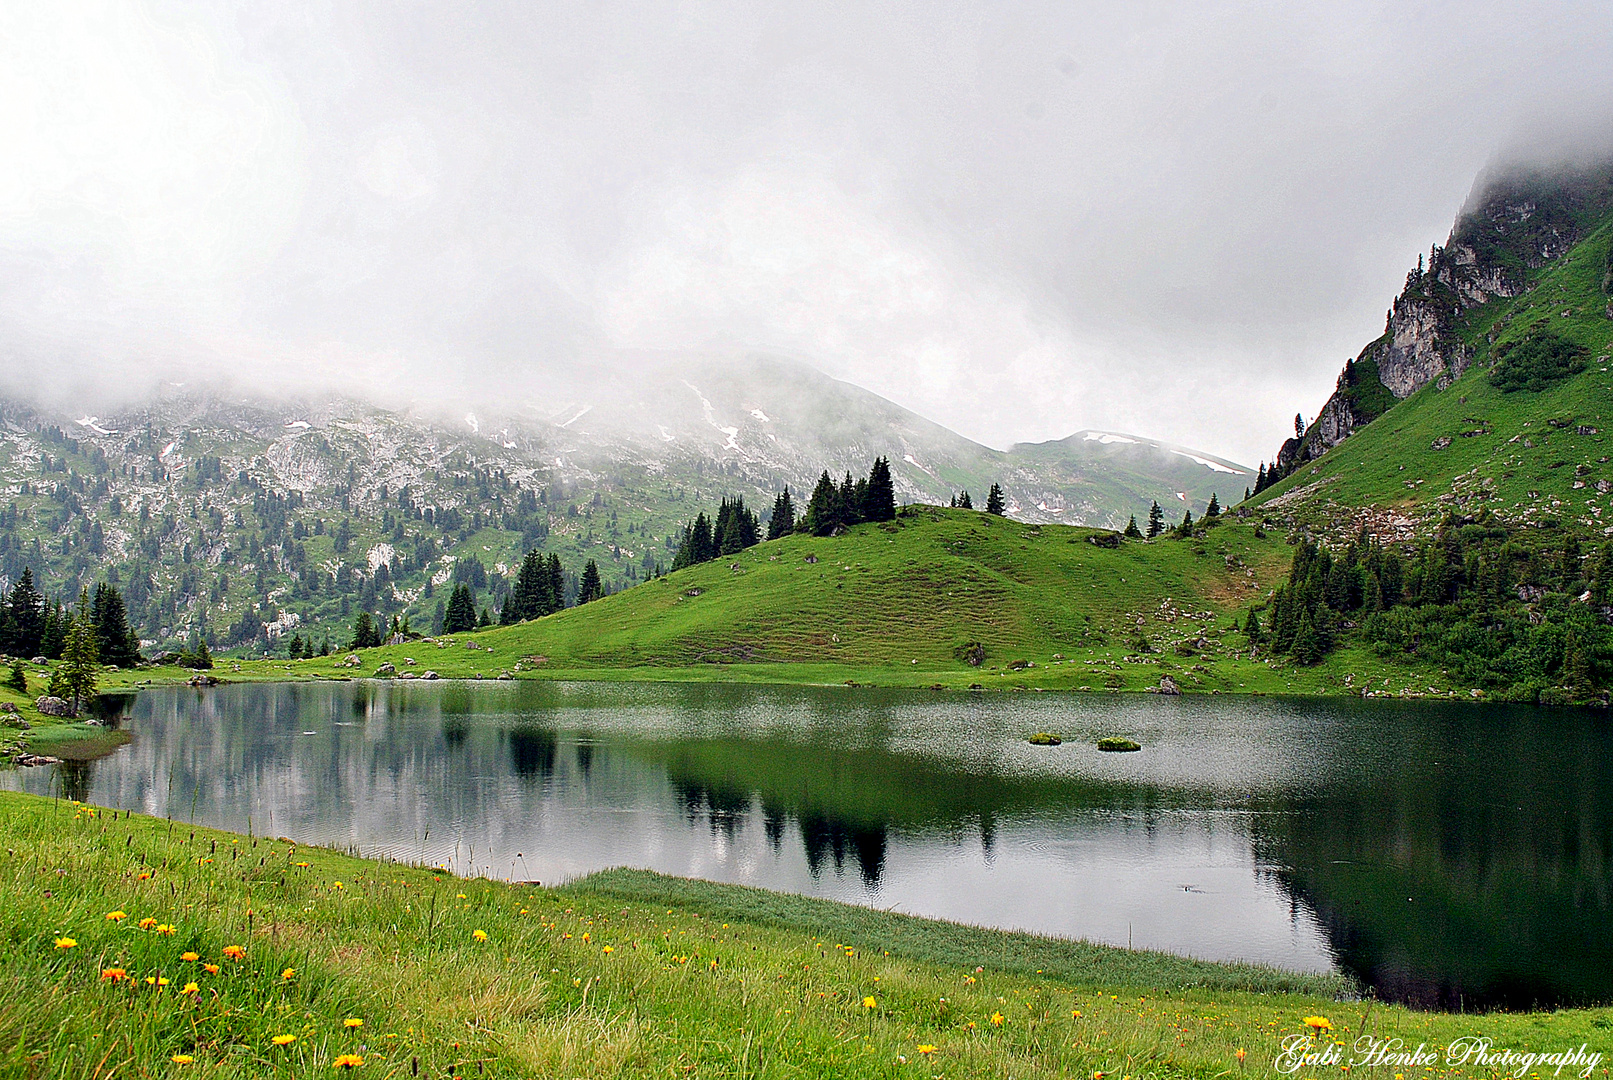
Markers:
point(1115, 745)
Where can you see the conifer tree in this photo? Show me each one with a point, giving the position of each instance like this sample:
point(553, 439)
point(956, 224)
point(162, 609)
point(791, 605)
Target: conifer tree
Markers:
point(782, 521)
point(819, 519)
point(1185, 529)
point(1132, 530)
point(25, 617)
point(557, 585)
point(363, 631)
point(117, 643)
point(18, 679)
point(486, 618)
point(879, 503)
point(589, 588)
point(1214, 509)
point(1156, 521)
point(80, 658)
point(461, 613)
point(964, 502)
point(995, 503)
point(55, 633)
point(1252, 630)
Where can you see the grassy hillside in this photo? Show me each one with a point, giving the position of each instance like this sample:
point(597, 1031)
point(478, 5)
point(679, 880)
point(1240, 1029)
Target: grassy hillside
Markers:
point(241, 956)
point(1526, 456)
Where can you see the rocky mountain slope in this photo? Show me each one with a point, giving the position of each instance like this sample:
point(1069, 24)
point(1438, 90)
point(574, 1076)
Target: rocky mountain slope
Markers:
point(254, 519)
point(1488, 388)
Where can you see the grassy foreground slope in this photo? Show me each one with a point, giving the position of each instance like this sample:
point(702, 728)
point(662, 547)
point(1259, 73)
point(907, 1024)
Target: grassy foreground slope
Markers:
point(223, 943)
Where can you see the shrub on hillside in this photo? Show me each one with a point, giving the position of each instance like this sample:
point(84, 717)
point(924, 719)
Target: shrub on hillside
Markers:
point(1536, 363)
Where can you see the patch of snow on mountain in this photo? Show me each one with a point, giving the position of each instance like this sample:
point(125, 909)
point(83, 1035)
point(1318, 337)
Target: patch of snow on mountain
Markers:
point(475, 425)
point(1106, 438)
point(1207, 463)
point(666, 435)
point(167, 450)
point(90, 422)
point(760, 415)
point(586, 409)
point(298, 424)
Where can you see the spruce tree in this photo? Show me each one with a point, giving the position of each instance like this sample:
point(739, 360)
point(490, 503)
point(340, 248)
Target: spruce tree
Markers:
point(117, 643)
point(461, 613)
point(782, 521)
point(819, 519)
point(25, 617)
point(54, 636)
point(879, 502)
point(1156, 521)
point(363, 631)
point(1260, 479)
point(964, 502)
point(995, 503)
point(78, 669)
point(1132, 530)
point(1214, 509)
point(557, 585)
point(588, 587)
point(1252, 630)
point(1185, 529)
point(18, 679)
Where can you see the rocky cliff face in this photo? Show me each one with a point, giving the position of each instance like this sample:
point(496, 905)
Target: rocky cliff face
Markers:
point(1515, 222)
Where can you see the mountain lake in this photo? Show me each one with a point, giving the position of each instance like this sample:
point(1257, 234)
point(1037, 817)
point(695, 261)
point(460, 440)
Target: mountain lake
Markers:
point(1446, 855)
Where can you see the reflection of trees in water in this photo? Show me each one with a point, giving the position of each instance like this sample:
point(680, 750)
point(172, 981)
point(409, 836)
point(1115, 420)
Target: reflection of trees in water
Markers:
point(827, 837)
point(533, 751)
point(1485, 883)
point(74, 778)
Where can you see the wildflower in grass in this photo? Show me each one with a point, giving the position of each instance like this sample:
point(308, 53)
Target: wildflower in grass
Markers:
point(158, 981)
point(1318, 1023)
point(608, 949)
point(461, 896)
point(116, 916)
point(347, 1061)
point(926, 1048)
point(283, 1040)
point(211, 969)
point(870, 1003)
point(181, 1059)
point(481, 935)
point(997, 1019)
point(191, 988)
point(144, 875)
point(114, 974)
point(1241, 1054)
point(352, 1022)
point(288, 974)
point(1075, 1014)
point(189, 957)
point(337, 885)
point(234, 952)
point(65, 943)
point(165, 929)
point(147, 923)
point(301, 864)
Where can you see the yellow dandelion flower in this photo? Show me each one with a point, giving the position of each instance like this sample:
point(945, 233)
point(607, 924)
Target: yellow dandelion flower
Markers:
point(352, 1022)
point(288, 974)
point(347, 1061)
point(461, 896)
point(189, 957)
point(1075, 1014)
point(997, 1019)
point(65, 943)
point(116, 916)
point(166, 929)
point(301, 864)
point(608, 949)
point(926, 1048)
point(234, 952)
point(144, 875)
point(481, 935)
point(181, 1059)
point(870, 1003)
point(337, 885)
point(1319, 1023)
point(283, 1040)
point(211, 969)
point(147, 923)
point(191, 988)
point(114, 974)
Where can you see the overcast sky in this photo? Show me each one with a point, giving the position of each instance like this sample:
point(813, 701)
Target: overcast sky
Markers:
point(1019, 219)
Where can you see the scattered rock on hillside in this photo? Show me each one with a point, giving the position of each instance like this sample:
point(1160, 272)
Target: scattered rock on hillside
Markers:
point(52, 706)
point(1167, 685)
point(29, 761)
point(973, 654)
point(201, 680)
point(1441, 443)
point(386, 670)
point(430, 675)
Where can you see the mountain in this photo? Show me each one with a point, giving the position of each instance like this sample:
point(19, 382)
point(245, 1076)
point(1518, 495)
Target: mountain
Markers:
point(1487, 390)
point(257, 518)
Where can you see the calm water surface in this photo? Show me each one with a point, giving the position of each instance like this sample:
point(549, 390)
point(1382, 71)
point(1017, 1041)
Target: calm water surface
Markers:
point(1448, 855)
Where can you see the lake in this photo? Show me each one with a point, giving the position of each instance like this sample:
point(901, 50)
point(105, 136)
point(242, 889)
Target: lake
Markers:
point(1447, 855)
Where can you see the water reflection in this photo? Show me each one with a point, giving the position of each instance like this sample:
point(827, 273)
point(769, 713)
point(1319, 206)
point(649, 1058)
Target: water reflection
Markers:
point(1448, 856)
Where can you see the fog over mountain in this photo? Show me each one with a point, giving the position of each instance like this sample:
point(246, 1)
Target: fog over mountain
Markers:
point(1017, 220)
